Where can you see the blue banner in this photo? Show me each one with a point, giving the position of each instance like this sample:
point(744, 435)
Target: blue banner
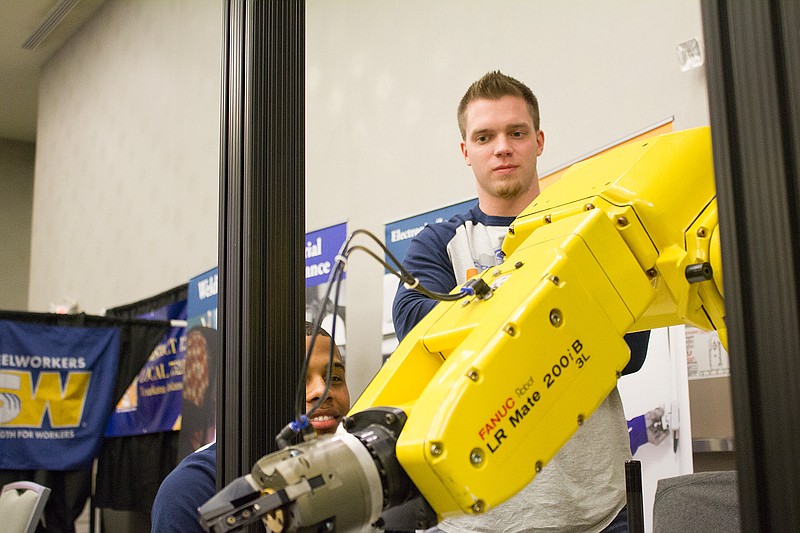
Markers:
point(201, 306)
point(56, 390)
point(152, 403)
point(322, 246)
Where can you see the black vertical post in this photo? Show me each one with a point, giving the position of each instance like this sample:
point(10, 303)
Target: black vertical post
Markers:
point(261, 229)
point(635, 499)
point(753, 65)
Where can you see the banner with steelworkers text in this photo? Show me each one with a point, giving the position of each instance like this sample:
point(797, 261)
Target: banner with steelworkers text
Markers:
point(56, 391)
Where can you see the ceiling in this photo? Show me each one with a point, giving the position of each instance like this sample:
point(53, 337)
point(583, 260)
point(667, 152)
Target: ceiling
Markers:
point(19, 67)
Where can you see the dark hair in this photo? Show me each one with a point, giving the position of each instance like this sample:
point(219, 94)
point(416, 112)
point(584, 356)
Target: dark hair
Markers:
point(493, 86)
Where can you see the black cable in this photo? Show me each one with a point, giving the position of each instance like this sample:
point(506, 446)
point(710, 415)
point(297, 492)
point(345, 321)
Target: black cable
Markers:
point(301, 422)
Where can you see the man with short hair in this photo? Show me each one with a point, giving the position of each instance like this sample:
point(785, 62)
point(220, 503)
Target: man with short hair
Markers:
point(583, 487)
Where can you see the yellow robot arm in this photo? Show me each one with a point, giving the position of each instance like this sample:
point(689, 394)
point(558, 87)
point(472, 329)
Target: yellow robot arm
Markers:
point(495, 385)
point(484, 391)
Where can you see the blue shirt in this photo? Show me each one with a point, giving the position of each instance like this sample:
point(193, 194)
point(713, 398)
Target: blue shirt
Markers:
point(191, 484)
point(446, 254)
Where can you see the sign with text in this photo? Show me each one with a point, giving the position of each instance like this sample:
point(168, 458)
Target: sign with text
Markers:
point(56, 390)
point(321, 249)
point(152, 402)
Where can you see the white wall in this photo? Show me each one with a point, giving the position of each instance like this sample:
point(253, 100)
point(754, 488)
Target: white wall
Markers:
point(384, 80)
point(16, 200)
point(125, 200)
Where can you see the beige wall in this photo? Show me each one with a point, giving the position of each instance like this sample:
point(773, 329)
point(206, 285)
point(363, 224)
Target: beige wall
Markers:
point(125, 202)
point(384, 79)
point(128, 137)
point(16, 200)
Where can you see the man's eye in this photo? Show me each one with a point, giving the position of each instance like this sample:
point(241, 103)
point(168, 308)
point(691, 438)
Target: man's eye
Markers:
point(518, 134)
point(482, 139)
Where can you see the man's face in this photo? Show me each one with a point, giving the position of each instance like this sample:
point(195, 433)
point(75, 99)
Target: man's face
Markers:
point(327, 417)
point(502, 146)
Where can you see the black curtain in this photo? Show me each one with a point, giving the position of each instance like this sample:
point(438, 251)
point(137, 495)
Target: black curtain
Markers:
point(130, 469)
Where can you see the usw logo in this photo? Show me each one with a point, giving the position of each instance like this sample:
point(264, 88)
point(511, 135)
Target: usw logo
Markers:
point(23, 403)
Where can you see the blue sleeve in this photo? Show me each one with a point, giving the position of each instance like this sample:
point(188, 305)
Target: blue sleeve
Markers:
point(637, 432)
point(191, 484)
point(428, 261)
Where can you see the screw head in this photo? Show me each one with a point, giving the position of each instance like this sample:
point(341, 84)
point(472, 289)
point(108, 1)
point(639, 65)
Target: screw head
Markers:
point(538, 466)
point(556, 318)
point(622, 220)
point(473, 375)
point(588, 207)
point(478, 507)
point(548, 219)
point(436, 449)
point(476, 457)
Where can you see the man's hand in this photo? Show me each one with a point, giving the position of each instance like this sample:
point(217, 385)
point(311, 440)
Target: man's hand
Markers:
point(656, 434)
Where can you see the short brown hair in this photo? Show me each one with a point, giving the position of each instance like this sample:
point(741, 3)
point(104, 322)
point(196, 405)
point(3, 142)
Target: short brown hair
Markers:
point(493, 86)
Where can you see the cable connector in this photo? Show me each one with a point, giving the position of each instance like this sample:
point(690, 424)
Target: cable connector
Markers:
point(300, 424)
point(478, 288)
point(290, 430)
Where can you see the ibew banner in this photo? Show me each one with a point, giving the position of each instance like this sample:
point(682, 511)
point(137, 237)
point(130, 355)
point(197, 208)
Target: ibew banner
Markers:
point(152, 402)
point(56, 390)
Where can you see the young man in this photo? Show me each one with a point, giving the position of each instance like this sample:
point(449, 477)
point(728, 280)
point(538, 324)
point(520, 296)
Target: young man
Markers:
point(193, 482)
point(583, 487)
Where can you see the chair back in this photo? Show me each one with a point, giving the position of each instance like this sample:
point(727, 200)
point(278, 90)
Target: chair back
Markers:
point(22, 505)
point(702, 502)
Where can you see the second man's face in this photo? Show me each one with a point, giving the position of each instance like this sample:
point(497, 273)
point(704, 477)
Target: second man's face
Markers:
point(502, 147)
point(336, 405)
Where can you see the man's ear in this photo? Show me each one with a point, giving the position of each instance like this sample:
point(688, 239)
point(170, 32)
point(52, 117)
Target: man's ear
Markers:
point(540, 142)
point(465, 153)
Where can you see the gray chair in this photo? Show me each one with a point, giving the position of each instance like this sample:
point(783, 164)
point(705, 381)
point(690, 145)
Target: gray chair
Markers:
point(700, 502)
point(22, 505)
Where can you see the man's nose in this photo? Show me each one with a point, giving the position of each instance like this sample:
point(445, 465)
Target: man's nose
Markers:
point(502, 147)
point(314, 388)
